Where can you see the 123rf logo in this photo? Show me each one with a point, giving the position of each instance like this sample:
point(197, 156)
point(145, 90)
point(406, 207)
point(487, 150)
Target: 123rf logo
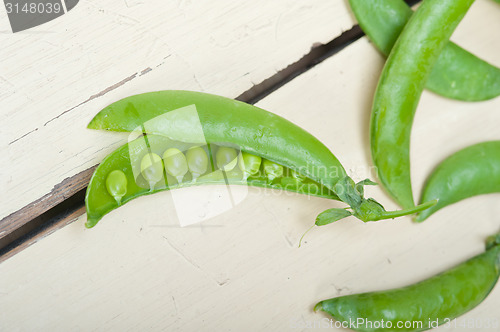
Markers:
point(26, 14)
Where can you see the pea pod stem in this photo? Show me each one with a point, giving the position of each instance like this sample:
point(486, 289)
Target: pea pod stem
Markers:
point(406, 212)
point(365, 209)
point(375, 212)
point(305, 233)
point(400, 87)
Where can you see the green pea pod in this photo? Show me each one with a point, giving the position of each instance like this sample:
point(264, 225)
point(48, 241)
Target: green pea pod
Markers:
point(457, 73)
point(250, 128)
point(401, 84)
point(472, 171)
point(100, 200)
point(435, 301)
point(198, 118)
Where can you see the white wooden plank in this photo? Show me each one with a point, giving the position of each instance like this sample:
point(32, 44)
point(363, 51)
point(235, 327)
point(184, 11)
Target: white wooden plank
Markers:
point(55, 77)
point(241, 271)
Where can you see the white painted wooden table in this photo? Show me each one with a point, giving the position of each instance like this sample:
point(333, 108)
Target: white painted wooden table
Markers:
point(240, 271)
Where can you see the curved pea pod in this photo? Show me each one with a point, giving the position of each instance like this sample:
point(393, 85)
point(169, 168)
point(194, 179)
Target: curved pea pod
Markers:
point(202, 118)
point(457, 74)
point(400, 87)
point(424, 305)
point(469, 172)
point(198, 118)
point(116, 176)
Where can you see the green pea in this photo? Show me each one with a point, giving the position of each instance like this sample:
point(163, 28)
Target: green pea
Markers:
point(226, 158)
point(116, 184)
point(299, 177)
point(175, 163)
point(197, 161)
point(249, 164)
point(152, 168)
point(272, 169)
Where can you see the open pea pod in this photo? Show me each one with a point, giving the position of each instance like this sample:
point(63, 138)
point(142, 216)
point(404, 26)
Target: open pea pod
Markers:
point(123, 176)
point(288, 152)
point(201, 118)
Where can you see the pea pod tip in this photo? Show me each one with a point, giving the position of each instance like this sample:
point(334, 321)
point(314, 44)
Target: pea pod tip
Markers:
point(424, 214)
point(492, 241)
point(91, 222)
point(318, 306)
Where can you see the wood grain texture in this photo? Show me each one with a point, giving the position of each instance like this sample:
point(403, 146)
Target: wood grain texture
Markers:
point(55, 77)
point(241, 271)
point(59, 193)
point(32, 238)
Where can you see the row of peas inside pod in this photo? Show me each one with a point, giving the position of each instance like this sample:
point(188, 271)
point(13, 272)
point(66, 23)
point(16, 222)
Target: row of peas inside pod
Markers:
point(173, 164)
